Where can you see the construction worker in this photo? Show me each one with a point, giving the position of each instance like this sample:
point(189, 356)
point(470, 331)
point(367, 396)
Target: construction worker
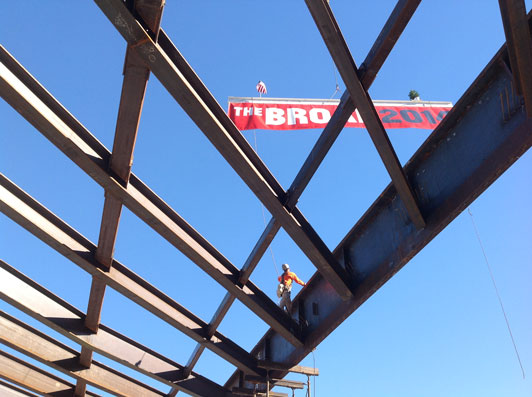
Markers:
point(286, 280)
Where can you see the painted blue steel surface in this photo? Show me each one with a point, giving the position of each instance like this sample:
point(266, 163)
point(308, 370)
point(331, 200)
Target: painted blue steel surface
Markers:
point(473, 146)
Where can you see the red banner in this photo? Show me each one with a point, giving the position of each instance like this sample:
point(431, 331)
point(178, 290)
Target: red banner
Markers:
point(295, 115)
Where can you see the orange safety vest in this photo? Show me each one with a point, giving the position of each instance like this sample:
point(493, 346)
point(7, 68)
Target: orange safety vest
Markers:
point(287, 277)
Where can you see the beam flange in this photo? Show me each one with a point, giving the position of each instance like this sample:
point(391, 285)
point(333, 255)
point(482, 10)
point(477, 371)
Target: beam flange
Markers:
point(517, 32)
point(172, 70)
point(40, 304)
point(35, 344)
point(134, 85)
point(9, 390)
point(25, 94)
point(292, 384)
point(333, 38)
point(389, 35)
point(241, 391)
point(298, 369)
point(469, 150)
point(396, 23)
point(34, 217)
point(33, 378)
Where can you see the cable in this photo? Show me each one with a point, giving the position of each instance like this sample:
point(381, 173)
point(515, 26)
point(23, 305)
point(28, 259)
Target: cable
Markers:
point(337, 87)
point(263, 214)
point(314, 366)
point(497, 292)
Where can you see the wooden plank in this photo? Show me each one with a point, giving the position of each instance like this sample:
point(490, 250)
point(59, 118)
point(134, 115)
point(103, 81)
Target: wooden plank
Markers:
point(136, 196)
point(191, 95)
point(519, 45)
point(38, 220)
point(35, 344)
point(339, 51)
point(30, 377)
point(39, 303)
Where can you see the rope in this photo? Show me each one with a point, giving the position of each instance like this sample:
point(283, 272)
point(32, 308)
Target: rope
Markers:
point(497, 292)
point(263, 214)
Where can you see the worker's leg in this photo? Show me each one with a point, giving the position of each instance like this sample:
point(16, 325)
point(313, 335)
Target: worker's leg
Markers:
point(286, 302)
point(282, 302)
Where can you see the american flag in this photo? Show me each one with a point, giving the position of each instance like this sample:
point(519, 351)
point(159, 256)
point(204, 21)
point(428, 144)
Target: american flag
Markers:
point(261, 87)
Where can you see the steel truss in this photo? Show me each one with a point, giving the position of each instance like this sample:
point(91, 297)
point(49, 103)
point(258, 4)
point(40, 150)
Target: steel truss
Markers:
point(440, 181)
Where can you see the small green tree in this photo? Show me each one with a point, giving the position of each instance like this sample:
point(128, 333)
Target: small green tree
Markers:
point(413, 94)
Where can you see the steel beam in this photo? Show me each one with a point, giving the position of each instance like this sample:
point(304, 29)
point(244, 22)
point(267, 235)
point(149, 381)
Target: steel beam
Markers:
point(378, 54)
point(37, 302)
point(326, 23)
point(9, 390)
point(33, 378)
point(172, 70)
point(35, 344)
point(136, 76)
point(292, 384)
point(25, 94)
point(31, 215)
point(396, 23)
point(298, 369)
point(469, 150)
point(389, 35)
point(240, 391)
point(517, 31)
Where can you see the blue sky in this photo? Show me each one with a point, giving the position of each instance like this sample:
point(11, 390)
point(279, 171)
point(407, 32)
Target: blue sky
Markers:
point(435, 329)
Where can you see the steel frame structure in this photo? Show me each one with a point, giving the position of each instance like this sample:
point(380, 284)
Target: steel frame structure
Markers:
point(441, 179)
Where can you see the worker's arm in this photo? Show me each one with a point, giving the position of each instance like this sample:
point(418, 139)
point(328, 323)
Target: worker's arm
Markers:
point(280, 278)
point(297, 279)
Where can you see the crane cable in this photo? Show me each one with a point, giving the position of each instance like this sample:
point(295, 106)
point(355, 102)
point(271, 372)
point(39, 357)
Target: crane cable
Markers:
point(314, 366)
point(497, 292)
point(335, 81)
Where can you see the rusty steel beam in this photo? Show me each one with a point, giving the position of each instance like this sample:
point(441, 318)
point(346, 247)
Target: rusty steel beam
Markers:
point(390, 33)
point(333, 38)
point(240, 391)
point(228, 299)
point(384, 43)
point(517, 32)
point(298, 369)
point(396, 23)
point(33, 378)
point(292, 384)
point(9, 390)
point(24, 94)
point(474, 144)
point(31, 215)
point(112, 209)
point(134, 85)
point(39, 346)
point(31, 298)
point(172, 70)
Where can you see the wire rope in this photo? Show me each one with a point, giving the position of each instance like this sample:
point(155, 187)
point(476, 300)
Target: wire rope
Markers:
point(496, 291)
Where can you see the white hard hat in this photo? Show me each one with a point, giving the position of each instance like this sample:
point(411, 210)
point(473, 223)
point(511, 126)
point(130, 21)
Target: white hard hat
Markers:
point(285, 266)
